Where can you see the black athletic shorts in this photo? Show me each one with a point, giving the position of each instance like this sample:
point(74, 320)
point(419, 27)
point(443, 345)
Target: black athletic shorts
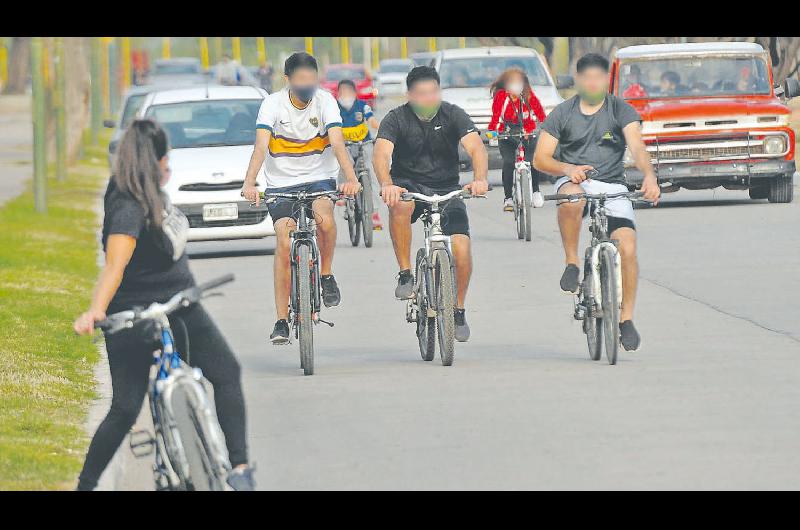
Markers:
point(283, 207)
point(454, 211)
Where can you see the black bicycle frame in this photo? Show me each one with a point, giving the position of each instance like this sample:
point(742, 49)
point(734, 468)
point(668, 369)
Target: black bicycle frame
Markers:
point(304, 234)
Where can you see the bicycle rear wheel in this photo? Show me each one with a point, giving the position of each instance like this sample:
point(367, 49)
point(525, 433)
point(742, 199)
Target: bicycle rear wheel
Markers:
point(525, 188)
point(366, 207)
point(304, 319)
point(608, 288)
point(426, 326)
point(444, 289)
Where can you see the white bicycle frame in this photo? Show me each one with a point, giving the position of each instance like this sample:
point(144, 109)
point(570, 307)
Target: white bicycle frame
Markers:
point(595, 264)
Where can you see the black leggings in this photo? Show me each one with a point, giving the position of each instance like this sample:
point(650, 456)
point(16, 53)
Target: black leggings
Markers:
point(129, 357)
point(508, 150)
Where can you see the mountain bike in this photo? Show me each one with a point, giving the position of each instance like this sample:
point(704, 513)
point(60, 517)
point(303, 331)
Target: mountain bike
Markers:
point(358, 212)
point(190, 451)
point(433, 303)
point(599, 296)
point(523, 186)
point(306, 288)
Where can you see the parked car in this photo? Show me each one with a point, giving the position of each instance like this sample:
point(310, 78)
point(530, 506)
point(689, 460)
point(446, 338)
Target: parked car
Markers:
point(390, 79)
point(334, 73)
point(711, 116)
point(467, 73)
point(211, 132)
point(131, 103)
point(176, 71)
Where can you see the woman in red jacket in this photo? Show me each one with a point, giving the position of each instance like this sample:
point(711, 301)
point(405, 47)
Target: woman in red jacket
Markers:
point(515, 102)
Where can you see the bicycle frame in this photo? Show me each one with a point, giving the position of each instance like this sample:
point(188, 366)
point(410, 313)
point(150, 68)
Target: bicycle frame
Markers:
point(304, 234)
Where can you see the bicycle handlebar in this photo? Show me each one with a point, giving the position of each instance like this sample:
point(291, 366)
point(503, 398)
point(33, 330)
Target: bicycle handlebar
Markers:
point(359, 142)
point(432, 199)
point(125, 319)
point(574, 197)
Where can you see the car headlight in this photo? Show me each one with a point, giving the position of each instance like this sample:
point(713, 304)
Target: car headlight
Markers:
point(774, 145)
point(627, 160)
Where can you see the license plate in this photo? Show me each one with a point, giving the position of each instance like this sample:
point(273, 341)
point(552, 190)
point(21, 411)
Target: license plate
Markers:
point(220, 212)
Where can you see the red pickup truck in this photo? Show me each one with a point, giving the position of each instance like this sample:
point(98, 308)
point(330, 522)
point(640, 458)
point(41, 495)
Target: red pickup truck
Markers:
point(712, 115)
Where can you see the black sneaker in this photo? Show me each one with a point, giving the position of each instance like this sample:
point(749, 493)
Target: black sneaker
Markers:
point(242, 479)
point(280, 333)
point(330, 291)
point(462, 328)
point(405, 285)
point(569, 280)
point(628, 336)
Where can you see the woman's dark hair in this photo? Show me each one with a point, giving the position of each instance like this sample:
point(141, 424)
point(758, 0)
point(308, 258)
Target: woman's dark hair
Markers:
point(592, 60)
point(348, 82)
point(422, 73)
point(137, 170)
point(299, 60)
point(500, 82)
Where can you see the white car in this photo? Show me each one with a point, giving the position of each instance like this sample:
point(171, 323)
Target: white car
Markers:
point(211, 132)
point(390, 79)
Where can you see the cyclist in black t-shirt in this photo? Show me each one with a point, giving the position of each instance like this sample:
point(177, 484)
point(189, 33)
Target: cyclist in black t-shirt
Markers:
point(421, 140)
point(144, 237)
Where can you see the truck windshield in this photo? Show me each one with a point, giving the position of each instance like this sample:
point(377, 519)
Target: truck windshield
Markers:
point(482, 71)
point(692, 77)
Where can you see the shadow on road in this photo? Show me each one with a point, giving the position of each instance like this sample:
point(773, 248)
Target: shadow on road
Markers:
point(229, 249)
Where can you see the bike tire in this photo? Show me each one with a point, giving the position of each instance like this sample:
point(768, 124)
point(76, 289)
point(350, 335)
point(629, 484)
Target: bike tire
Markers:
point(527, 207)
point(592, 326)
point(426, 326)
point(444, 289)
point(304, 318)
point(366, 208)
point(200, 475)
point(353, 219)
point(608, 288)
point(518, 210)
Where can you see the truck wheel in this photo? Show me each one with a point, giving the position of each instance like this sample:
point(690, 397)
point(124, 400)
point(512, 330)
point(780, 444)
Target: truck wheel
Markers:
point(759, 192)
point(781, 189)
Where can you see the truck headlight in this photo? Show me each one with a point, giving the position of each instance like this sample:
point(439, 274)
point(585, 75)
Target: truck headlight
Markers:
point(627, 160)
point(774, 145)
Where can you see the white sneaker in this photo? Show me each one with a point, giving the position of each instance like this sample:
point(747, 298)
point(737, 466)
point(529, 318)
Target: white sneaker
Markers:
point(508, 205)
point(538, 199)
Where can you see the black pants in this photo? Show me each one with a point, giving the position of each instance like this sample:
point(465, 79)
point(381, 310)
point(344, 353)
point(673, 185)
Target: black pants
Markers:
point(130, 358)
point(508, 150)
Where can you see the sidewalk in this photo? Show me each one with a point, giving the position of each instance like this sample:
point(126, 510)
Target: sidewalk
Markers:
point(16, 145)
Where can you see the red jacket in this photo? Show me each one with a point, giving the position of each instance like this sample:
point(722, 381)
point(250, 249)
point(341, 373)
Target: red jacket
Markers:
point(512, 109)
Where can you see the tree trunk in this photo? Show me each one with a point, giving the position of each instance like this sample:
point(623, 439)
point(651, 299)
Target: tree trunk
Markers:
point(76, 52)
point(19, 60)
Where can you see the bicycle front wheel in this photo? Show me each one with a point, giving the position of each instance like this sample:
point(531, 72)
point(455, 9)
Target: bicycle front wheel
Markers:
point(519, 211)
point(608, 288)
point(366, 207)
point(592, 326)
point(353, 221)
point(305, 323)
point(525, 188)
point(444, 289)
point(426, 326)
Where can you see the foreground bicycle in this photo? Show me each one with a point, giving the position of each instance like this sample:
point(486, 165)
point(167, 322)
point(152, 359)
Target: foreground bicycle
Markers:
point(190, 451)
point(358, 212)
point(599, 296)
point(305, 299)
point(434, 299)
point(522, 194)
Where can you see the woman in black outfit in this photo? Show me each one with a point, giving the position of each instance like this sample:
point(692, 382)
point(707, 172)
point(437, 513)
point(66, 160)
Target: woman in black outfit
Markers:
point(144, 238)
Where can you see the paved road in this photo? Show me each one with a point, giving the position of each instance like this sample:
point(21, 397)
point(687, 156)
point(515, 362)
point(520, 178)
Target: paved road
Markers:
point(16, 144)
point(709, 402)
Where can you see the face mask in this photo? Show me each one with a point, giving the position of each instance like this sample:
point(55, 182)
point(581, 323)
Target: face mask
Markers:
point(592, 98)
point(515, 88)
point(304, 93)
point(425, 112)
point(347, 103)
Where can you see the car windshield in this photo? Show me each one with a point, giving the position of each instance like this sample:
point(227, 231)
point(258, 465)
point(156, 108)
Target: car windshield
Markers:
point(132, 106)
point(394, 68)
point(208, 123)
point(422, 60)
point(176, 68)
point(337, 74)
point(482, 71)
point(693, 76)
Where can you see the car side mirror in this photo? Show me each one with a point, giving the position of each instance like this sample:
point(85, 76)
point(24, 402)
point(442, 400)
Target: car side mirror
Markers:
point(564, 81)
point(109, 124)
point(791, 88)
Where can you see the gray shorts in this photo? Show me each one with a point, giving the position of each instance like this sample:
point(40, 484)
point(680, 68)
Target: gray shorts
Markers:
point(618, 211)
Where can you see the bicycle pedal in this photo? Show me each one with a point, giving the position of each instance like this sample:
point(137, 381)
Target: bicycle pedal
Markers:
point(324, 322)
point(141, 443)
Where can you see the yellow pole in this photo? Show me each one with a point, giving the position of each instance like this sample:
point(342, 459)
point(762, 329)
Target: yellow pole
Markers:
point(236, 48)
point(105, 77)
point(345, 50)
point(261, 49)
point(3, 65)
point(165, 51)
point(432, 44)
point(462, 42)
point(125, 46)
point(404, 47)
point(204, 52)
point(218, 49)
point(310, 45)
point(45, 63)
point(376, 51)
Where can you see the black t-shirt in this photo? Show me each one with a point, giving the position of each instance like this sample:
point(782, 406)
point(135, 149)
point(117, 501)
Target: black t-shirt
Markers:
point(426, 152)
point(596, 140)
point(159, 267)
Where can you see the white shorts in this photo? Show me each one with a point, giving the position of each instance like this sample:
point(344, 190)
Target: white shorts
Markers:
point(620, 208)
